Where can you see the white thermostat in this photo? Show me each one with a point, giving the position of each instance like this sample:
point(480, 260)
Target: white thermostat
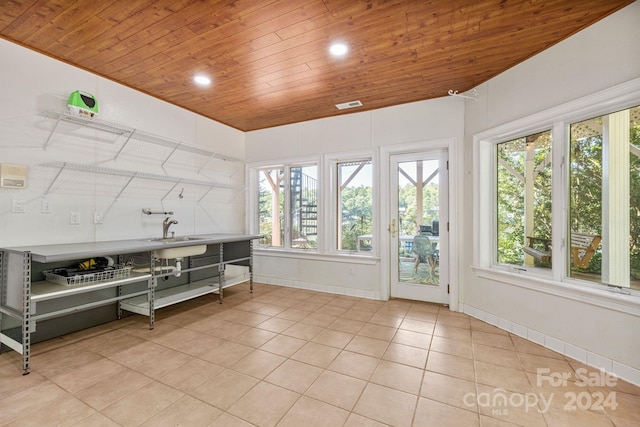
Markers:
point(13, 176)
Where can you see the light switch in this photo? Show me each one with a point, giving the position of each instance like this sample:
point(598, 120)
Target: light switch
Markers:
point(18, 206)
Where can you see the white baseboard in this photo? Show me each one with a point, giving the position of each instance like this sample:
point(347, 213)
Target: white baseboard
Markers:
point(587, 357)
point(360, 293)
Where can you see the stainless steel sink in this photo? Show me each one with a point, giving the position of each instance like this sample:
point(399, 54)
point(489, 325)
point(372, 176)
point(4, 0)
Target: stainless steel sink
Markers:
point(174, 239)
point(178, 251)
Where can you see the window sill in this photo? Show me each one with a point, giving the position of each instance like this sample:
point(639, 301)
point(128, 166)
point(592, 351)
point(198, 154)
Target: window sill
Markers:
point(629, 304)
point(352, 258)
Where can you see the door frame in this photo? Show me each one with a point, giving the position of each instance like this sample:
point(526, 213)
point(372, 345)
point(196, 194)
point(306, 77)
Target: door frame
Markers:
point(448, 144)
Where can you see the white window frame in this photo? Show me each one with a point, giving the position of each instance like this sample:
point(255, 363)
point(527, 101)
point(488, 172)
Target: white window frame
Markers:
point(331, 213)
point(558, 119)
point(252, 202)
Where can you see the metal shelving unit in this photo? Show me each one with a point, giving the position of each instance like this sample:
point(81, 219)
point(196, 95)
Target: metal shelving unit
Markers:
point(22, 300)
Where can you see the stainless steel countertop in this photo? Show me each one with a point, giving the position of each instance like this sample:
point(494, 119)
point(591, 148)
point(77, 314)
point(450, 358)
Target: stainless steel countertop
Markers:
point(72, 251)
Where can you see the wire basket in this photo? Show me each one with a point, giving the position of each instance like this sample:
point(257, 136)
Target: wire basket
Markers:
point(118, 272)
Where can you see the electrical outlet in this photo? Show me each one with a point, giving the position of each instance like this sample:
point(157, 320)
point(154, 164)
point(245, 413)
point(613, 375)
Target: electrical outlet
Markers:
point(18, 206)
point(97, 217)
point(74, 218)
point(45, 206)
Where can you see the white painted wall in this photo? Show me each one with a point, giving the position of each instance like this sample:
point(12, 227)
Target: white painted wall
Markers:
point(419, 124)
point(35, 83)
point(603, 55)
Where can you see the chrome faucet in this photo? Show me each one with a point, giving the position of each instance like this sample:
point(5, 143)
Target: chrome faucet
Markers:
point(165, 226)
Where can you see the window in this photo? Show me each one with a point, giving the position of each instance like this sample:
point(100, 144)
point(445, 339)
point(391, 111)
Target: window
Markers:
point(604, 177)
point(524, 201)
point(271, 206)
point(288, 206)
point(304, 207)
point(557, 197)
point(355, 206)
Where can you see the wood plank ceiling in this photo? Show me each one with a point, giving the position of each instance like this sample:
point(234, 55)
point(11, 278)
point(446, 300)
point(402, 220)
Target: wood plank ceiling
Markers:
point(269, 59)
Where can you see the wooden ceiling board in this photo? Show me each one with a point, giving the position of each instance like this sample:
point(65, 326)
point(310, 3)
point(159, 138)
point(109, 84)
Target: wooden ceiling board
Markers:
point(269, 59)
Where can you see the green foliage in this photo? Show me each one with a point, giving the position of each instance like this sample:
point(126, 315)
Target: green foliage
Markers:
point(357, 215)
point(512, 156)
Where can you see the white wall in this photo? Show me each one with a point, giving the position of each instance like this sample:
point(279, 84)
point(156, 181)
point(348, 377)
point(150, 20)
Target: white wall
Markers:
point(603, 55)
point(418, 124)
point(35, 83)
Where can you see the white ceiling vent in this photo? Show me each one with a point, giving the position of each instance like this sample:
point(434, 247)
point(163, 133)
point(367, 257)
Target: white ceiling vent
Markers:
point(346, 105)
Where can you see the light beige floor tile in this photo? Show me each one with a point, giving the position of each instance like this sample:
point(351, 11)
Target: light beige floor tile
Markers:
point(432, 413)
point(525, 346)
point(67, 410)
point(228, 420)
point(451, 346)
point(138, 407)
point(415, 325)
point(191, 375)
point(333, 338)
point(451, 318)
point(337, 389)
point(386, 405)
point(14, 382)
point(479, 325)
point(407, 355)
point(533, 363)
point(228, 330)
point(86, 375)
point(293, 314)
point(319, 319)
point(254, 337)
point(258, 363)
point(422, 315)
point(332, 310)
point(453, 332)
point(234, 384)
point(414, 339)
point(251, 319)
point(492, 340)
point(303, 331)
point(264, 405)
point(308, 306)
point(96, 420)
point(384, 320)
point(450, 390)
point(356, 420)
point(379, 332)
point(189, 351)
point(400, 377)
point(186, 411)
point(368, 346)
point(497, 356)
point(360, 316)
point(560, 417)
point(316, 354)
point(626, 412)
point(270, 310)
point(227, 353)
point(294, 375)
point(276, 324)
point(501, 376)
point(30, 400)
point(111, 389)
point(456, 366)
point(346, 325)
point(283, 345)
point(310, 412)
point(354, 364)
point(509, 407)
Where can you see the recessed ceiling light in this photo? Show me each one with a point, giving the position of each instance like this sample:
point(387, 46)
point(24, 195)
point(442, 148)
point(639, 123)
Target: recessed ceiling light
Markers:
point(338, 49)
point(202, 80)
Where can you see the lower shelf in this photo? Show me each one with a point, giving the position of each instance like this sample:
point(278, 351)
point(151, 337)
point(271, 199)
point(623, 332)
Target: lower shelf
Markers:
point(175, 295)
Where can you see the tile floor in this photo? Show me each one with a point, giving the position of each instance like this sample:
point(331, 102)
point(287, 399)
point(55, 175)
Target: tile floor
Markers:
point(289, 357)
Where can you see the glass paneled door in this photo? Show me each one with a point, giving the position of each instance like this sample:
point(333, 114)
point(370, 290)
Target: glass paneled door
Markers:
point(418, 228)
